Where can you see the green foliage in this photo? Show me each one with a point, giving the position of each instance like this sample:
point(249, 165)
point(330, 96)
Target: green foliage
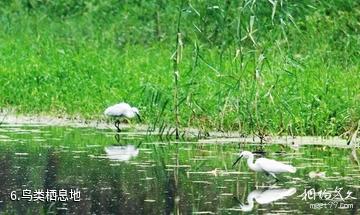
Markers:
point(252, 66)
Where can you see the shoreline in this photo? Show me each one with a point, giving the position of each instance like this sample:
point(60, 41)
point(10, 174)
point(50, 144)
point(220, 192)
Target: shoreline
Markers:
point(215, 136)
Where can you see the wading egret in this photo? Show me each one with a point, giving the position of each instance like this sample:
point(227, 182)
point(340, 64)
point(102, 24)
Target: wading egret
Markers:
point(121, 110)
point(268, 166)
point(266, 197)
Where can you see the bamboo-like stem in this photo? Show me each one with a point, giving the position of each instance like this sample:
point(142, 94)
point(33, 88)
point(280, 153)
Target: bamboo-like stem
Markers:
point(176, 63)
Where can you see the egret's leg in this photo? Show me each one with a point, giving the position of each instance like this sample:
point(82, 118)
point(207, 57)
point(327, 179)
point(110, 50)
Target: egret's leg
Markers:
point(117, 123)
point(273, 175)
point(117, 138)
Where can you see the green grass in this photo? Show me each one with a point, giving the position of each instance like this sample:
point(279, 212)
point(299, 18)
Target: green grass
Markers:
point(75, 58)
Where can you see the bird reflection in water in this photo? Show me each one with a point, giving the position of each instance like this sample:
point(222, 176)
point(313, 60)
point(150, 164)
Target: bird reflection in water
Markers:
point(121, 153)
point(265, 197)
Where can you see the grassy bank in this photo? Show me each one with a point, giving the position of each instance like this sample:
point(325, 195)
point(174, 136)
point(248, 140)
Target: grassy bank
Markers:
point(253, 67)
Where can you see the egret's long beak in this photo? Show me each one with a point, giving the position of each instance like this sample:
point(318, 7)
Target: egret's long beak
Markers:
point(138, 116)
point(237, 160)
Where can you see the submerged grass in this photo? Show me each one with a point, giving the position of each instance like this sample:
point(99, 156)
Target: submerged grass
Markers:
point(269, 67)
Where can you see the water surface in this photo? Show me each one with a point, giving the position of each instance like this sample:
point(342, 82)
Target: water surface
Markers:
point(135, 173)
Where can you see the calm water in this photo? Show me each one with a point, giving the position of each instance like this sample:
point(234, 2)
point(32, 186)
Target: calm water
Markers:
point(137, 174)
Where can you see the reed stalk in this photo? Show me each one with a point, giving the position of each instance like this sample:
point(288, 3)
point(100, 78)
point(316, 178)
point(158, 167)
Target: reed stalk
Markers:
point(176, 71)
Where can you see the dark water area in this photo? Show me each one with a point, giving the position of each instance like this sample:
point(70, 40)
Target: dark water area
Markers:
point(62, 170)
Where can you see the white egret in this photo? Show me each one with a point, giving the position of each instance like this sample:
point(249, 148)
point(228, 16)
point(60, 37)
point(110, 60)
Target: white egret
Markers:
point(121, 153)
point(268, 166)
point(121, 110)
point(266, 197)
